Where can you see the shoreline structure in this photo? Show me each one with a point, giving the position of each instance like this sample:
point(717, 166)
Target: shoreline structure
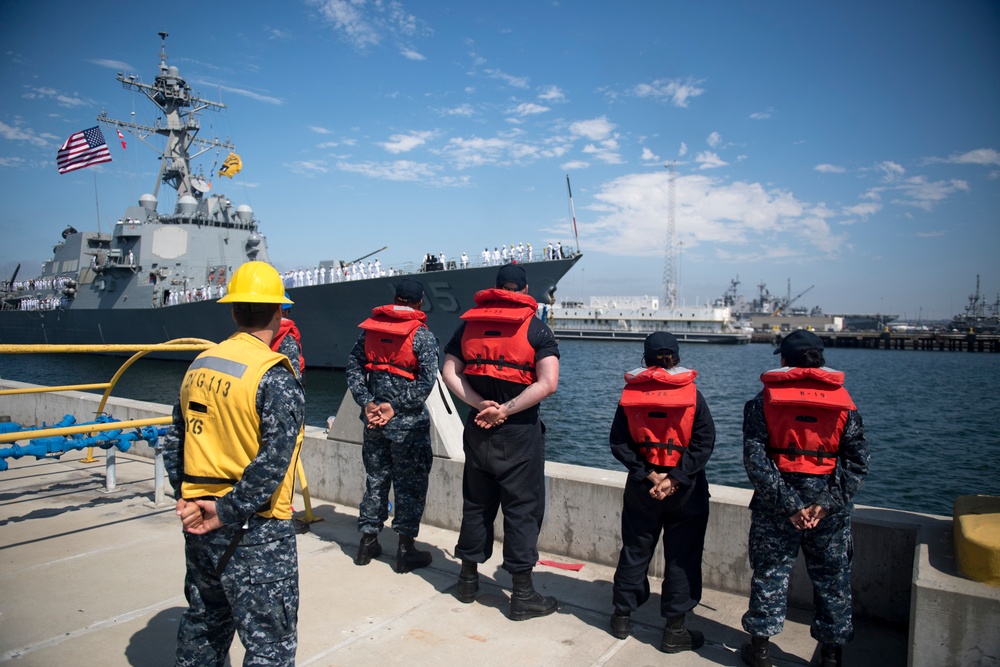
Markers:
point(904, 573)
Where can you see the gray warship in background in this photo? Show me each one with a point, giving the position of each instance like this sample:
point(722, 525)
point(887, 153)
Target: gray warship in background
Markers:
point(121, 288)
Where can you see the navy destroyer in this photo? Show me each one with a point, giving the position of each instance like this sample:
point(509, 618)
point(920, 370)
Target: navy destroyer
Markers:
point(156, 276)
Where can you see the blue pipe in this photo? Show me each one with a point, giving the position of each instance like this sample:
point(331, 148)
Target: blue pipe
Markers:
point(58, 445)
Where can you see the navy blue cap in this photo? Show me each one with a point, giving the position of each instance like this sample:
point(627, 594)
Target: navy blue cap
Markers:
point(658, 343)
point(799, 340)
point(409, 290)
point(512, 273)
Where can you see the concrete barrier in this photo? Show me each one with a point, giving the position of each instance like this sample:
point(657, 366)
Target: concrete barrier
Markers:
point(903, 570)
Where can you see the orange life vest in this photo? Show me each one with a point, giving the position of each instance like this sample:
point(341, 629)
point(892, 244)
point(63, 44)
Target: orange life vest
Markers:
point(288, 328)
point(660, 404)
point(805, 410)
point(495, 341)
point(389, 341)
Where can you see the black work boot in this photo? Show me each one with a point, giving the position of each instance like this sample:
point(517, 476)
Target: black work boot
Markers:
point(757, 652)
point(408, 557)
point(830, 655)
point(677, 638)
point(526, 602)
point(621, 625)
point(368, 549)
point(468, 582)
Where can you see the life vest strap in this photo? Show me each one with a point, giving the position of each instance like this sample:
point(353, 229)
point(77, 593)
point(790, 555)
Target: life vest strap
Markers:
point(499, 363)
point(198, 479)
point(793, 452)
point(670, 445)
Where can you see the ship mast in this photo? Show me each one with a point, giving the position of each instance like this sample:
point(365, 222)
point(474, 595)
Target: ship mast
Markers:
point(669, 276)
point(180, 108)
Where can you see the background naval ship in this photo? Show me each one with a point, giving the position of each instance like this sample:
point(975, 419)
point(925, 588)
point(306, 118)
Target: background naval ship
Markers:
point(136, 284)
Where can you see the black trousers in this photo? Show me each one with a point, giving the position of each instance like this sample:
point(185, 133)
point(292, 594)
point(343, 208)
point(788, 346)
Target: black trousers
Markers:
point(682, 518)
point(504, 468)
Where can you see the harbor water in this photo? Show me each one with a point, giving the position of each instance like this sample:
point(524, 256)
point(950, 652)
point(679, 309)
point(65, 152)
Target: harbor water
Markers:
point(929, 416)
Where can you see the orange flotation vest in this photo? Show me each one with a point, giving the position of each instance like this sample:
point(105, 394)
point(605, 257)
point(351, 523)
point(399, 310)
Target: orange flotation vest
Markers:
point(660, 404)
point(495, 341)
point(389, 341)
point(288, 328)
point(805, 410)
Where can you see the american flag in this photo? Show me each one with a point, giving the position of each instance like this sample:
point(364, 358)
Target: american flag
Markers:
point(83, 149)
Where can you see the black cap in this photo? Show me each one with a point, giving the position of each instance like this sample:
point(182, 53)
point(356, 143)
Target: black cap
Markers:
point(512, 273)
point(659, 343)
point(409, 290)
point(799, 340)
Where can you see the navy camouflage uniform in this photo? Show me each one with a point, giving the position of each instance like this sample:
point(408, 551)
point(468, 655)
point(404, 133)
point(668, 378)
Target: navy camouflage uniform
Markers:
point(290, 348)
point(398, 454)
point(774, 542)
point(257, 594)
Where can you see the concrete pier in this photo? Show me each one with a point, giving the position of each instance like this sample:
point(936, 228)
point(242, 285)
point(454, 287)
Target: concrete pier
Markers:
point(88, 573)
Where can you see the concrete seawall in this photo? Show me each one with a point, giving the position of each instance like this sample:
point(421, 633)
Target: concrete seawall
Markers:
point(904, 573)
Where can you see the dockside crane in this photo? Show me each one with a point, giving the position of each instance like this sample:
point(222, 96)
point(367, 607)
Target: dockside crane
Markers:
point(789, 301)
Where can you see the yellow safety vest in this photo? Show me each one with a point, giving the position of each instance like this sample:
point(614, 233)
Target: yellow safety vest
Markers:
point(222, 427)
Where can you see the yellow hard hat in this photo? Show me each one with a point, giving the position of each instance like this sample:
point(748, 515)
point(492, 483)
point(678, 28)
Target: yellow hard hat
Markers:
point(255, 282)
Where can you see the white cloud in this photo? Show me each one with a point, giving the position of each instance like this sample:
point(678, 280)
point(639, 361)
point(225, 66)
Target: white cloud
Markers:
point(552, 94)
point(714, 140)
point(606, 151)
point(829, 169)
point(350, 21)
point(594, 129)
point(461, 110)
point(730, 218)
point(930, 235)
point(762, 115)
point(11, 162)
point(402, 143)
point(509, 79)
point(62, 99)
point(709, 160)
point(683, 150)
point(983, 156)
point(675, 91)
point(890, 170)
point(117, 65)
point(400, 170)
point(528, 109)
point(410, 54)
point(308, 167)
point(366, 24)
point(649, 156)
point(918, 191)
point(319, 130)
point(17, 133)
point(573, 165)
point(863, 210)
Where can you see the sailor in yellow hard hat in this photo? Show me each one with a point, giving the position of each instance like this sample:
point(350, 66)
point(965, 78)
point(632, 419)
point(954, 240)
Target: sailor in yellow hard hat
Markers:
point(230, 454)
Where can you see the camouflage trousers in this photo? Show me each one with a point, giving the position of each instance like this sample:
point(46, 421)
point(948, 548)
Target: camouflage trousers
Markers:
point(400, 459)
point(828, 549)
point(257, 596)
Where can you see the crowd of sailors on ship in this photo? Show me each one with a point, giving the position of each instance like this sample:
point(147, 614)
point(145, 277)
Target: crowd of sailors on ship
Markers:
point(36, 284)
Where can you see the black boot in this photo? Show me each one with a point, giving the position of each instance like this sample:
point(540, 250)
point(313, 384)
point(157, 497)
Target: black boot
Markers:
point(830, 655)
point(757, 652)
point(468, 582)
point(526, 602)
point(621, 625)
point(408, 557)
point(368, 549)
point(677, 638)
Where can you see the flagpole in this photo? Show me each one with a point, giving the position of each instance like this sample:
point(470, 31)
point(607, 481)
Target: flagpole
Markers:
point(97, 204)
point(572, 212)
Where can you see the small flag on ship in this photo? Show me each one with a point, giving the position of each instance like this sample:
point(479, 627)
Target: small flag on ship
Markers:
point(231, 166)
point(121, 136)
point(83, 149)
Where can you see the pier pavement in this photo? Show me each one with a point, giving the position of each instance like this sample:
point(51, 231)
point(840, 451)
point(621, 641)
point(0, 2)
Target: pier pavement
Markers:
point(95, 578)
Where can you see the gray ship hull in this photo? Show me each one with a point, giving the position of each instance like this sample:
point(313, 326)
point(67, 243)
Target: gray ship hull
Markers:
point(327, 315)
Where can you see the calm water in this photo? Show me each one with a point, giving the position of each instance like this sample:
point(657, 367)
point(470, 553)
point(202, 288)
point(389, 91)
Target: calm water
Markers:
point(929, 416)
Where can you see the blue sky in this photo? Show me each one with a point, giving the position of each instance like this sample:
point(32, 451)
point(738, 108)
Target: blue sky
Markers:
point(853, 146)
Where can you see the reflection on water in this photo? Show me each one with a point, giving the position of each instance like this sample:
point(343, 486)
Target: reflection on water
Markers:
point(928, 415)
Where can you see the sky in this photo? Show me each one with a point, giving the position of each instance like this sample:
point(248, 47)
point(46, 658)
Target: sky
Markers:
point(847, 149)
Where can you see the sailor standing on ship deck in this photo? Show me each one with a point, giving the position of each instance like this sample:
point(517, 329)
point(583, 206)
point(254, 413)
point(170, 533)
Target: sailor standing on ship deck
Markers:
point(390, 372)
point(664, 434)
point(805, 453)
point(230, 455)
